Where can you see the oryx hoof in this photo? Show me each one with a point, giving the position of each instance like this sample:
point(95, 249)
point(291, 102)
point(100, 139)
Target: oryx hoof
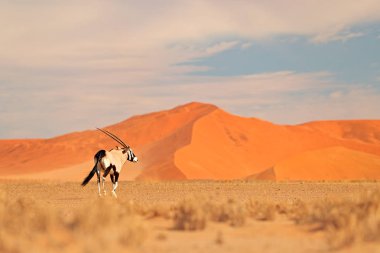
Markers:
point(114, 194)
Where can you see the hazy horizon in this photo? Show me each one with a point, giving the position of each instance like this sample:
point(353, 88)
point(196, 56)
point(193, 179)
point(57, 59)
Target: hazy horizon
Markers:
point(70, 66)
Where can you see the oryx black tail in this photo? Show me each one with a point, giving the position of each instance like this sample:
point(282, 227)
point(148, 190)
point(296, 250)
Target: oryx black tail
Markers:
point(98, 156)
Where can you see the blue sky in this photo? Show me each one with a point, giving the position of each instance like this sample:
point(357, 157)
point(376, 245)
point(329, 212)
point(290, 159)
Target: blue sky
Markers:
point(70, 66)
point(355, 60)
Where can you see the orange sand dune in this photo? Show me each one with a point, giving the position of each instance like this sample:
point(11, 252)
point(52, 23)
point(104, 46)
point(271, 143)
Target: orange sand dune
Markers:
point(366, 131)
point(334, 163)
point(154, 138)
point(194, 141)
point(236, 147)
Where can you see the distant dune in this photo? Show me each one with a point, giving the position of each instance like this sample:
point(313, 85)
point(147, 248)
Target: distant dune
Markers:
point(335, 163)
point(201, 141)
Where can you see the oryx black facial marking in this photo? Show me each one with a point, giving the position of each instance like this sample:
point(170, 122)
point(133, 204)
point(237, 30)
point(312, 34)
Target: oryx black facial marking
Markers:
point(131, 156)
point(113, 160)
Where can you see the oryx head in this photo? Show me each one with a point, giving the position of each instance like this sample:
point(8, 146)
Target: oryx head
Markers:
point(131, 156)
point(126, 149)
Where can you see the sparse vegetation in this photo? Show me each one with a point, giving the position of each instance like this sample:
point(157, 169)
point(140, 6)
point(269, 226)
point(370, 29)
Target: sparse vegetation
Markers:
point(190, 215)
point(27, 223)
point(263, 211)
point(193, 213)
point(36, 217)
point(345, 222)
point(231, 211)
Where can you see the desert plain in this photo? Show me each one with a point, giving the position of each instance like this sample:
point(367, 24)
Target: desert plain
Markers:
point(191, 216)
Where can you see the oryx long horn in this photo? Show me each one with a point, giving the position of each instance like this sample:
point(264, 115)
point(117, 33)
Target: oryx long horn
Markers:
point(114, 137)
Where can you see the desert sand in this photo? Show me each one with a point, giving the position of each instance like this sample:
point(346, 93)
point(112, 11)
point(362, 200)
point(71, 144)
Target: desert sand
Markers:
point(190, 216)
point(201, 141)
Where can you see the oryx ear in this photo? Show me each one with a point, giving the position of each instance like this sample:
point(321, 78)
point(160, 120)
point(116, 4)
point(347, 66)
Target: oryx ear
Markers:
point(125, 151)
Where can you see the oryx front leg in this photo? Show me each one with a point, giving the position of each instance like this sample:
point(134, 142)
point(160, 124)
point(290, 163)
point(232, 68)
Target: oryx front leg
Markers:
point(104, 178)
point(114, 189)
point(115, 179)
point(103, 183)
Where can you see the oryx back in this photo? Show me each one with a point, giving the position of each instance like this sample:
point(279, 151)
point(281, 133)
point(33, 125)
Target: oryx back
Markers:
point(114, 159)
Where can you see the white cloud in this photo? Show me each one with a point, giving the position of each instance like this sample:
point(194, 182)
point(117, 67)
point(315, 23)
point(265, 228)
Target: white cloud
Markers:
point(119, 58)
point(281, 97)
point(343, 36)
point(353, 103)
point(246, 45)
point(220, 47)
point(139, 33)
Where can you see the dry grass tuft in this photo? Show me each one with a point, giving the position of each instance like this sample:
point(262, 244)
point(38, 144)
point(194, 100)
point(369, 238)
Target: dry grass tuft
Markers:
point(263, 211)
point(161, 237)
point(230, 211)
point(155, 210)
point(219, 238)
point(345, 222)
point(194, 212)
point(190, 215)
point(90, 228)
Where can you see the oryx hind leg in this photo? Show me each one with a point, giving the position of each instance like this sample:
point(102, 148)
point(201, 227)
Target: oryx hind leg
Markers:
point(113, 183)
point(98, 176)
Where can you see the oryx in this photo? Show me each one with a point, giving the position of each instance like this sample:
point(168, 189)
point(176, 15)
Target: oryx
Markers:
point(110, 162)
